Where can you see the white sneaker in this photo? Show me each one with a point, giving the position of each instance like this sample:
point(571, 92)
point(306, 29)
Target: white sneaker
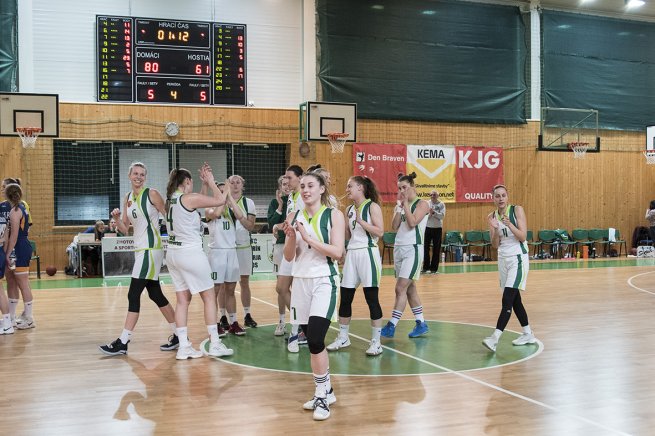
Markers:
point(293, 346)
point(321, 409)
point(374, 348)
point(490, 342)
point(280, 328)
point(339, 343)
point(187, 352)
point(25, 323)
point(7, 330)
point(218, 349)
point(331, 399)
point(524, 339)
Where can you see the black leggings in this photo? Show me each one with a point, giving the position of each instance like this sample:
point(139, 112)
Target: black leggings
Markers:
point(371, 295)
point(315, 331)
point(154, 292)
point(512, 300)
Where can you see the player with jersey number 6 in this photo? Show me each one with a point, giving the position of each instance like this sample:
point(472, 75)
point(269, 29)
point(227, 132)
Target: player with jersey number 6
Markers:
point(508, 229)
point(314, 242)
point(187, 263)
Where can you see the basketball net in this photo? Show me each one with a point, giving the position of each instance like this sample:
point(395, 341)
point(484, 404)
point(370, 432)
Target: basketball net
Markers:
point(337, 141)
point(650, 156)
point(579, 149)
point(28, 136)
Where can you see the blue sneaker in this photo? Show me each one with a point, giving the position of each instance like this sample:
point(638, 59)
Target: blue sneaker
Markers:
point(420, 329)
point(388, 330)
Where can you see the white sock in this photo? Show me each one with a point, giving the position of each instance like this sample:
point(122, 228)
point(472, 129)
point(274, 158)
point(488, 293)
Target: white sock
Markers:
point(213, 333)
point(13, 304)
point(283, 317)
point(418, 313)
point(223, 312)
point(323, 385)
point(6, 320)
point(294, 329)
point(527, 329)
point(375, 333)
point(181, 333)
point(343, 330)
point(246, 310)
point(233, 318)
point(173, 326)
point(125, 336)
point(28, 308)
point(496, 334)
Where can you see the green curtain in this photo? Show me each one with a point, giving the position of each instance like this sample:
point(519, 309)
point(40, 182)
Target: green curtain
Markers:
point(8, 45)
point(423, 60)
point(592, 62)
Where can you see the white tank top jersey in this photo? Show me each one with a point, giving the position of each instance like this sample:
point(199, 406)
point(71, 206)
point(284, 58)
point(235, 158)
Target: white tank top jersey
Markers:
point(144, 217)
point(509, 245)
point(360, 238)
point(221, 231)
point(407, 235)
point(247, 207)
point(295, 203)
point(310, 263)
point(183, 225)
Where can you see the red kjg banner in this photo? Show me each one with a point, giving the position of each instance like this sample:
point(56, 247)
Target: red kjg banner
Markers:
point(382, 163)
point(478, 169)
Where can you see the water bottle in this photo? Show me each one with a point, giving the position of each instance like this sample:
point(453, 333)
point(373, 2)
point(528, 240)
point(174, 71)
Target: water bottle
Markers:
point(12, 260)
point(577, 255)
point(466, 257)
point(443, 257)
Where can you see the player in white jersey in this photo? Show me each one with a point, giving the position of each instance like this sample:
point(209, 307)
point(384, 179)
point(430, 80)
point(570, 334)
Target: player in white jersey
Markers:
point(314, 241)
point(363, 264)
point(186, 260)
point(409, 220)
point(508, 229)
point(223, 258)
point(141, 209)
point(243, 209)
point(285, 278)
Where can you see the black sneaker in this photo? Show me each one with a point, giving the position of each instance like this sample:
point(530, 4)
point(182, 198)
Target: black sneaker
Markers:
point(224, 323)
point(173, 344)
point(115, 348)
point(248, 321)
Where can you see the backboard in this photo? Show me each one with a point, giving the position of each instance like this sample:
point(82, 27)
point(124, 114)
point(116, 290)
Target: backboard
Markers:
point(561, 127)
point(650, 138)
point(29, 110)
point(318, 118)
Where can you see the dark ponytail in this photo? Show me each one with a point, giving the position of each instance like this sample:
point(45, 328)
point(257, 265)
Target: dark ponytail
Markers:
point(296, 169)
point(370, 190)
point(176, 177)
point(409, 178)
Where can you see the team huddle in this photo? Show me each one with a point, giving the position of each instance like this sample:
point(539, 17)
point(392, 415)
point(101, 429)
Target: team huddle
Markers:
point(312, 237)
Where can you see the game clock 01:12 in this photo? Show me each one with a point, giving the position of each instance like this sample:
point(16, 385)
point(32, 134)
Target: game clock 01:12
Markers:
point(145, 60)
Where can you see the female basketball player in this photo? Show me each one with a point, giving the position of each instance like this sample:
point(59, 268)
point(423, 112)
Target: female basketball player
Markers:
point(284, 277)
point(223, 256)
point(409, 221)
point(244, 209)
point(314, 239)
point(508, 228)
point(318, 169)
point(363, 263)
point(276, 214)
point(17, 240)
point(186, 260)
point(141, 209)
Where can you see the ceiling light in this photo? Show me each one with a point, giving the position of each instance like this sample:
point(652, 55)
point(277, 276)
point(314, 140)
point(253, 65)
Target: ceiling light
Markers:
point(630, 4)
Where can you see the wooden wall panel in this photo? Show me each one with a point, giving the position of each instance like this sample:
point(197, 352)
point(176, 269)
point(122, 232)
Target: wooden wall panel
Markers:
point(611, 188)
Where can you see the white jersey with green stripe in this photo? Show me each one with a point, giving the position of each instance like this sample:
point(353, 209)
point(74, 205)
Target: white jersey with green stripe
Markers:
point(295, 203)
point(247, 207)
point(222, 232)
point(183, 225)
point(407, 235)
point(360, 238)
point(144, 217)
point(309, 263)
point(509, 245)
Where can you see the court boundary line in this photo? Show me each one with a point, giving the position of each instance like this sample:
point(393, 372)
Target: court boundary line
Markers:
point(637, 287)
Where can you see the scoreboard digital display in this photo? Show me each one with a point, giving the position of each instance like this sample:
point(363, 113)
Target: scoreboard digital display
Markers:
point(144, 60)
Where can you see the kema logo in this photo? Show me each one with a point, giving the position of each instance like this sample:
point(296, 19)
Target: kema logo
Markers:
point(431, 161)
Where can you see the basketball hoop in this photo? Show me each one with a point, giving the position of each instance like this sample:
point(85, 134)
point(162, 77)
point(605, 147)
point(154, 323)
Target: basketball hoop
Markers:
point(650, 156)
point(337, 141)
point(28, 135)
point(579, 149)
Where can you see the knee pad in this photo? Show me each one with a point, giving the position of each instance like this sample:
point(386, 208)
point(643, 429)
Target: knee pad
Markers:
point(374, 308)
point(134, 294)
point(346, 302)
point(316, 345)
point(315, 332)
point(155, 293)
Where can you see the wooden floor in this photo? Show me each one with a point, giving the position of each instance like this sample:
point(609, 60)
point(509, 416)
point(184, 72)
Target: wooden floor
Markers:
point(595, 376)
